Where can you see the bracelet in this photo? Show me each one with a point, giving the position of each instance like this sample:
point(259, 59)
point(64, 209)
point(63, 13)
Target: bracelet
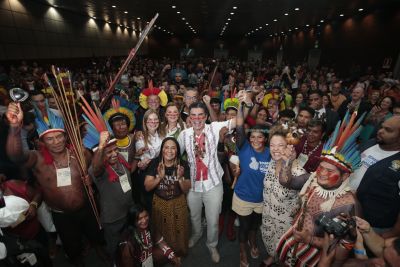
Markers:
point(359, 252)
point(34, 203)
point(248, 106)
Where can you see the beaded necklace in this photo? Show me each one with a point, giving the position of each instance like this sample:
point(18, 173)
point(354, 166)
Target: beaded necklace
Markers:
point(304, 150)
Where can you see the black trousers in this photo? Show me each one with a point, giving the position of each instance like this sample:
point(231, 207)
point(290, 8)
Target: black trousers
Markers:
point(72, 226)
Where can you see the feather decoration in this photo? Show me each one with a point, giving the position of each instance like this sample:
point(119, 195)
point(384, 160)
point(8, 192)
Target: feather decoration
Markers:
point(342, 146)
point(96, 125)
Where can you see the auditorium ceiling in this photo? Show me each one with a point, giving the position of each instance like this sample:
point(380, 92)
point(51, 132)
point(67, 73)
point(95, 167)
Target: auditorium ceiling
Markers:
point(223, 18)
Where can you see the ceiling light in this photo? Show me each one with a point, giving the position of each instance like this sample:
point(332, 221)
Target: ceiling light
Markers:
point(93, 17)
point(360, 9)
point(296, 28)
point(235, 7)
point(126, 12)
point(232, 13)
point(290, 30)
point(322, 21)
point(229, 19)
point(318, 25)
point(270, 35)
point(113, 6)
point(307, 25)
point(121, 25)
point(187, 23)
point(183, 18)
point(226, 23)
point(297, 9)
point(173, 6)
point(138, 18)
point(266, 24)
point(109, 22)
point(282, 32)
point(178, 12)
point(341, 15)
point(286, 14)
point(275, 20)
point(257, 29)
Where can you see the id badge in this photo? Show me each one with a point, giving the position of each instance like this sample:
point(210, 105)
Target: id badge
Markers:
point(148, 262)
point(64, 177)
point(303, 158)
point(123, 179)
point(125, 155)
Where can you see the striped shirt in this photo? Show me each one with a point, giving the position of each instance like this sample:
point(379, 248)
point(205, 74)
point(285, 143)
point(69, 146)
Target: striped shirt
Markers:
point(215, 171)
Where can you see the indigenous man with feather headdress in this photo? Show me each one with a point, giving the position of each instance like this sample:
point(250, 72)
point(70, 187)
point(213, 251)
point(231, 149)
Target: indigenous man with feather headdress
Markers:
point(58, 177)
point(325, 192)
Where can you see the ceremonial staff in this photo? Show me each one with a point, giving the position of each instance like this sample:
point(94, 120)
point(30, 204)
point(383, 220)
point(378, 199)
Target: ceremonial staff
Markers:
point(131, 55)
point(63, 95)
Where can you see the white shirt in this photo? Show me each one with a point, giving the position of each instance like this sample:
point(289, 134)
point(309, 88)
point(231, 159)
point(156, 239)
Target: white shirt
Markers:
point(368, 158)
point(154, 146)
point(215, 171)
point(320, 113)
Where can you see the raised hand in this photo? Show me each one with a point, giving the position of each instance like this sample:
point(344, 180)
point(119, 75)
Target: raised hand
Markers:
point(14, 114)
point(161, 170)
point(104, 138)
point(260, 97)
point(289, 153)
point(180, 171)
point(206, 99)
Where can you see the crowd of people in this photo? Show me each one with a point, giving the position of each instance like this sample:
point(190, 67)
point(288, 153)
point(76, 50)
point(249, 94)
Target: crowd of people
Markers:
point(307, 159)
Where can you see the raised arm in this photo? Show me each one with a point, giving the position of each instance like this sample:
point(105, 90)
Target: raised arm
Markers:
point(98, 157)
point(286, 177)
point(213, 115)
point(14, 146)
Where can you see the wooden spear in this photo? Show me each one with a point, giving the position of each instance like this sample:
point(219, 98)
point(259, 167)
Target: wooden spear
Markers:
point(131, 55)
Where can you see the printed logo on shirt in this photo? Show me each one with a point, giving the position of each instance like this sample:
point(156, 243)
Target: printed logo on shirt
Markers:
point(253, 164)
point(369, 161)
point(264, 166)
point(395, 165)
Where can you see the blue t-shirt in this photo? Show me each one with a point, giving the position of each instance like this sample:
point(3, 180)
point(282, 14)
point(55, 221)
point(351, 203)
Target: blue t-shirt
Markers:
point(253, 167)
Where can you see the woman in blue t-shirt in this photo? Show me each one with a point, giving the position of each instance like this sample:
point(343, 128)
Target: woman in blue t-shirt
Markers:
point(247, 199)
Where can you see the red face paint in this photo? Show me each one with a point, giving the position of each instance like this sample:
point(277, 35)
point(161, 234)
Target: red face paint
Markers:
point(333, 178)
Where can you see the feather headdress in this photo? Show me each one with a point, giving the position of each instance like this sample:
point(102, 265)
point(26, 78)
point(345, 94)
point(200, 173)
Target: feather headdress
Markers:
point(152, 91)
point(341, 149)
point(231, 102)
point(47, 124)
point(121, 108)
point(95, 125)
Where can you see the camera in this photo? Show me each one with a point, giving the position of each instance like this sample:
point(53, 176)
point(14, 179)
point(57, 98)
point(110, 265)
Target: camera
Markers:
point(335, 226)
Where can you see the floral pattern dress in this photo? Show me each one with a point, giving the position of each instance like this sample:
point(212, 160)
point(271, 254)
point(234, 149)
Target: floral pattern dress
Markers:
point(279, 207)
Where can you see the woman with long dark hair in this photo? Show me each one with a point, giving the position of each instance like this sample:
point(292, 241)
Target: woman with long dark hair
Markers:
point(139, 247)
point(247, 199)
point(169, 177)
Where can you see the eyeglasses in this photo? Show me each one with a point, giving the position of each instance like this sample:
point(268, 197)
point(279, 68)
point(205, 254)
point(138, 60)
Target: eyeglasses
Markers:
point(191, 97)
point(153, 121)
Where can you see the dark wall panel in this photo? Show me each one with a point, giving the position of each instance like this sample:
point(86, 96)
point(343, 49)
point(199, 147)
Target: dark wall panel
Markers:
point(31, 30)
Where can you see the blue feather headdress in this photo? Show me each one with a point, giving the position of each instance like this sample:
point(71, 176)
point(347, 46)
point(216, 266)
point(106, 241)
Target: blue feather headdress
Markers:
point(341, 149)
point(95, 125)
point(47, 124)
